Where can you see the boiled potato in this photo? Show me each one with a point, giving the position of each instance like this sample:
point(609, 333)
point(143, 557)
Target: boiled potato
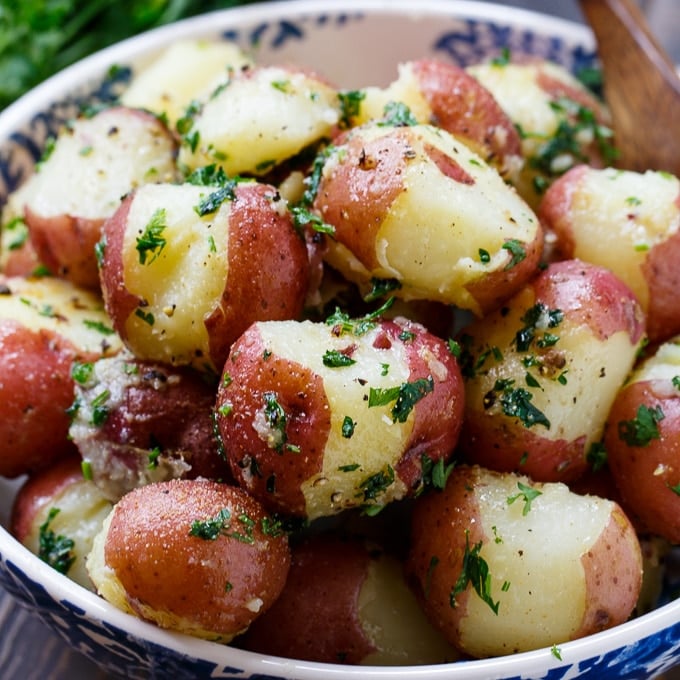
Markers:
point(135, 422)
point(413, 205)
point(94, 162)
point(445, 95)
point(45, 325)
point(628, 222)
point(182, 286)
point(503, 565)
point(17, 254)
point(542, 371)
point(317, 418)
point(561, 123)
point(642, 442)
point(260, 118)
point(56, 515)
point(194, 556)
point(187, 70)
point(346, 601)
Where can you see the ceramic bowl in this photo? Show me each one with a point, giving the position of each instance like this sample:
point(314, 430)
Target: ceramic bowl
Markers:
point(355, 43)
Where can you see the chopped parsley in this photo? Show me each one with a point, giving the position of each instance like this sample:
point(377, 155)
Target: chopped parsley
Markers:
point(538, 317)
point(55, 549)
point(151, 243)
point(344, 323)
point(643, 428)
point(348, 426)
point(404, 396)
point(380, 288)
point(528, 494)
point(350, 106)
point(398, 115)
point(276, 419)
point(435, 474)
point(597, 456)
point(475, 571)
point(516, 403)
point(517, 250)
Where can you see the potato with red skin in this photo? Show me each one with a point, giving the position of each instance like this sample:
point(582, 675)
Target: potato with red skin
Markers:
point(628, 222)
point(95, 161)
point(317, 418)
point(641, 439)
point(195, 556)
point(346, 601)
point(59, 500)
point(443, 94)
point(542, 371)
point(181, 287)
point(45, 325)
point(528, 537)
point(561, 122)
point(136, 421)
point(413, 204)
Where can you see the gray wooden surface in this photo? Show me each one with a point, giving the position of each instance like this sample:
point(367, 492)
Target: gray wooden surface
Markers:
point(30, 651)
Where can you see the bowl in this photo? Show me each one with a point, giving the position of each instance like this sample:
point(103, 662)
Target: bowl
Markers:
point(354, 43)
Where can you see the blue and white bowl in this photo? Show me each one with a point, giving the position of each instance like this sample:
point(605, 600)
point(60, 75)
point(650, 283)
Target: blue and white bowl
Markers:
point(354, 43)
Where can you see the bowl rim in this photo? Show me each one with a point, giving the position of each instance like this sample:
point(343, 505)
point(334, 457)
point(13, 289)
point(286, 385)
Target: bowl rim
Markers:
point(61, 588)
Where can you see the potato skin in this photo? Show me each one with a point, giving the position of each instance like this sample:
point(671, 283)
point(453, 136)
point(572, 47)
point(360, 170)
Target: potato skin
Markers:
point(41, 334)
point(642, 443)
point(262, 272)
point(155, 424)
point(281, 411)
point(531, 354)
point(628, 222)
point(584, 544)
point(400, 199)
point(147, 561)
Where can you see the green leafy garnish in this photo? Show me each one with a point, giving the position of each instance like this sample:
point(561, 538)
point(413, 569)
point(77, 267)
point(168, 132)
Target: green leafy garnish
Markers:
point(528, 494)
point(643, 428)
point(151, 243)
point(405, 397)
point(55, 549)
point(475, 572)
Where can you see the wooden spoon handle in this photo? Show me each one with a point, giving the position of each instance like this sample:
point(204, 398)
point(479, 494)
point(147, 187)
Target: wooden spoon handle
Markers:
point(641, 86)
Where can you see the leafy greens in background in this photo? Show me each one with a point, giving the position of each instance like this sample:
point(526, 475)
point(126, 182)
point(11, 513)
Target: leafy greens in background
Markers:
point(40, 37)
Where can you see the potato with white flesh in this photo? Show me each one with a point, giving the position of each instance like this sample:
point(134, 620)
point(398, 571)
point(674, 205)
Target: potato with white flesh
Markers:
point(17, 254)
point(628, 222)
point(45, 325)
point(445, 95)
point(642, 442)
point(561, 122)
point(136, 422)
point(187, 268)
point(503, 565)
point(188, 70)
point(56, 515)
point(412, 205)
point(258, 119)
point(93, 162)
point(542, 371)
point(193, 556)
point(346, 601)
point(317, 418)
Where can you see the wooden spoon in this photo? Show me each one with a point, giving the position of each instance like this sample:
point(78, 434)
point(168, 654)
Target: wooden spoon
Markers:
point(641, 86)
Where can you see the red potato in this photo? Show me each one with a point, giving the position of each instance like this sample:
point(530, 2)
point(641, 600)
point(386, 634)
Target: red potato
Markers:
point(346, 601)
point(414, 205)
point(136, 422)
point(318, 418)
point(628, 222)
point(445, 95)
point(94, 162)
point(542, 371)
point(258, 119)
point(560, 565)
point(17, 255)
point(642, 443)
point(194, 556)
point(56, 515)
point(181, 287)
point(561, 122)
point(45, 325)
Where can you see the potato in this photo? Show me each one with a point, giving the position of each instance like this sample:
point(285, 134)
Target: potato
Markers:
point(642, 442)
point(561, 123)
point(411, 204)
point(135, 422)
point(185, 71)
point(56, 515)
point(346, 601)
point(260, 118)
point(504, 565)
point(17, 255)
point(181, 287)
point(317, 418)
point(542, 371)
point(93, 163)
point(194, 556)
point(45, 325)
point(445, 95)
point(628, 222)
